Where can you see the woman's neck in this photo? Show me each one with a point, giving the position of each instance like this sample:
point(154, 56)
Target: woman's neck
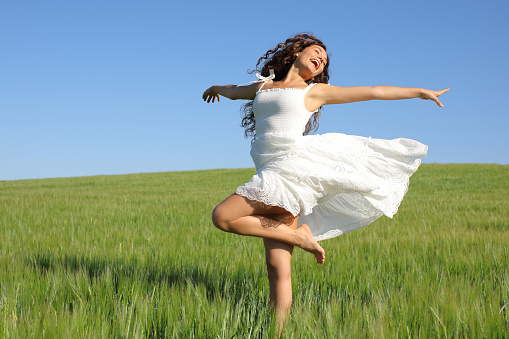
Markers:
point(293, 77)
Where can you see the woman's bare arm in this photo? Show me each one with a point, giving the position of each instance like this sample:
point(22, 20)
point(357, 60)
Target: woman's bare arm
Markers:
point(232, 92)
point(327, 94)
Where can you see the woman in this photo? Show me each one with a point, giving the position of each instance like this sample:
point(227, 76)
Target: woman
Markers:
point(328, 184)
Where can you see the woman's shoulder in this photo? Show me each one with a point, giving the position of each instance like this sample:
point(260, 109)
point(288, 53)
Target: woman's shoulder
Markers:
point(320, 86)
point(317, 88)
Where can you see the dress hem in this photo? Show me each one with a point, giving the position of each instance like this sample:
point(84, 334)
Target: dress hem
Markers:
point(253, 197)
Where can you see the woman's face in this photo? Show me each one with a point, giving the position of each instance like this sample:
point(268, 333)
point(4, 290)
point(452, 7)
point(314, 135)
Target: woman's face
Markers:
point(311, 61)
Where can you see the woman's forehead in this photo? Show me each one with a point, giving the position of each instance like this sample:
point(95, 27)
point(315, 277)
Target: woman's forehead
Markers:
point(320, 48)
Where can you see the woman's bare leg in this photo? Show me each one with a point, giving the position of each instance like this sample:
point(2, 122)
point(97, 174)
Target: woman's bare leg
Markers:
point(240, 215)
point(278, 256)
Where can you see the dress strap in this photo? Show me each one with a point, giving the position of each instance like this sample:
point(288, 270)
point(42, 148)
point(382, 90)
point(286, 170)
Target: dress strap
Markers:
point(263, 79)
point(260, 88)
point(309, 87)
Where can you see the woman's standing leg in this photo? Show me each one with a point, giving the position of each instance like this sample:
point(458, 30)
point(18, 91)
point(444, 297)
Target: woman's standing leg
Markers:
point(278, 257)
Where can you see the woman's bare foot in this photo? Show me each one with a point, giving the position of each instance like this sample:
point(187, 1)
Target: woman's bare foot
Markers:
point(308, 243)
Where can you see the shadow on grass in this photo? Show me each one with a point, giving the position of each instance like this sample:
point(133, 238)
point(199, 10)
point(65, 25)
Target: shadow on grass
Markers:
point(219, 281)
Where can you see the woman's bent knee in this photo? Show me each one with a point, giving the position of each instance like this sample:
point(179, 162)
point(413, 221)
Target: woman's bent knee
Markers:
point(219, 220)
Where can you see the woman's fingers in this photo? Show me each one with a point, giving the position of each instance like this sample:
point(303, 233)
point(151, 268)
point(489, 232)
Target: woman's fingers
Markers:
point(212, 97)
point(439, 93)
point(208, 96)
point(433, 95)
point(443, 91)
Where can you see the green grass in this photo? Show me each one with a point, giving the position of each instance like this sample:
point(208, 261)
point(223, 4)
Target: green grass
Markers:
point(137, 256)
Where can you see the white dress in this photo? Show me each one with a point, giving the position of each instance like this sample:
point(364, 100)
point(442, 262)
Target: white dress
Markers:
point(336, 183)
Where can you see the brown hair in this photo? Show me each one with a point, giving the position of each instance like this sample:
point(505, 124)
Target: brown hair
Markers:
point(281, 59)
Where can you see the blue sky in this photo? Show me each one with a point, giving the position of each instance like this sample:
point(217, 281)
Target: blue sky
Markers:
point(114, 87)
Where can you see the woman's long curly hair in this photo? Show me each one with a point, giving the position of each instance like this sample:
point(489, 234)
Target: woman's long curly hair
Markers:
point(281, 59)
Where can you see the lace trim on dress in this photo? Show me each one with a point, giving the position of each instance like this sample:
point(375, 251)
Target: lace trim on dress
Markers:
point(257, 194)
point(351, 227)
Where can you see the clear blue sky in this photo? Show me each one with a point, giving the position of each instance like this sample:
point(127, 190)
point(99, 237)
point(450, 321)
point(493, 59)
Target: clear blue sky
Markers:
point(113, 87)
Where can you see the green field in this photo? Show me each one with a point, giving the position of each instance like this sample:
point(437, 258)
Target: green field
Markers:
point(137, 256)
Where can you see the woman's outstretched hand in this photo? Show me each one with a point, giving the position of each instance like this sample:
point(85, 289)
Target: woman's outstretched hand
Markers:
point(427, 94)
point(210, 94)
